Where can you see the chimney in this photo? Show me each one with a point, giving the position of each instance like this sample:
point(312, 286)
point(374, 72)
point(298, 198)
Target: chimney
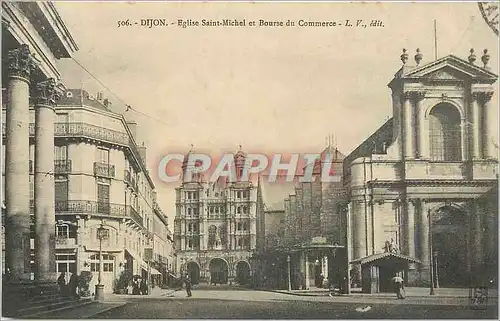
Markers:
point(132, 126)
point(142, 152)
point(99, 96)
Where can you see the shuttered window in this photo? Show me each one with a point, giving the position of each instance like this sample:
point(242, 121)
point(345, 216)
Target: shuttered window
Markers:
point(103, 198)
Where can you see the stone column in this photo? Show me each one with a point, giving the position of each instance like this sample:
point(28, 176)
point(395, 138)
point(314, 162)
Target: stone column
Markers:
point(424, 244)
point(17, 190)
point(464, 140)
point(358, 230)
point(477, 236)
point(476, 137)
point(408, 125)
point(423, 137)
point(410, 228)
point(325, 271)
point(45, 247)
point(410, 240)
point(359, 240)
point(488, 131)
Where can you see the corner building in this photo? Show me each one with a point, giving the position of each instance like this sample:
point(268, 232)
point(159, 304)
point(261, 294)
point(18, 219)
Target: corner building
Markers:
point(426, 181)
point(215, 227)
point(100, 177)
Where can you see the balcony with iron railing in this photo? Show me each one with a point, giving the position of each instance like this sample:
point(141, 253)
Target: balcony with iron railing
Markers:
point(89, 131)
point(62, 166)
point(65, 242)
point(104, 170)
point(75, 207)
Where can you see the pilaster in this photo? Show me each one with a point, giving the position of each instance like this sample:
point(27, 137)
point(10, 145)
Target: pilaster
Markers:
point(424, 217)
point(423, 137)
point(476, 137)
point(477, 235)
point(488, 131)
point(412, 206)
point(408, 125)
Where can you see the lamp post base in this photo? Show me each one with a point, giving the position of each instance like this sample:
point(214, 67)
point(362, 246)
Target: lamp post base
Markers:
point(99, 292)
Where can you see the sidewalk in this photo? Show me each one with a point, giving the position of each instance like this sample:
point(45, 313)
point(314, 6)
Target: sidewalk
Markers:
point(414, 292)
point(155, 293)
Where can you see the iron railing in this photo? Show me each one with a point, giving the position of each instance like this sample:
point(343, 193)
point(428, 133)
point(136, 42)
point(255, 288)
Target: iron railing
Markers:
point(84, 130)
point(96, 208)
point(104, 170)
point(62, 166)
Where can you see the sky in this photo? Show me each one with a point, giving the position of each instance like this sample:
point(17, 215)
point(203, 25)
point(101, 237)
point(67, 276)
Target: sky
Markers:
point(268, 89)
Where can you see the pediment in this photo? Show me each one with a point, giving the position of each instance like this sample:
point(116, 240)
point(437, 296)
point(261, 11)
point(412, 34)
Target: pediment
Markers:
point(451, 68)
point(446, 73)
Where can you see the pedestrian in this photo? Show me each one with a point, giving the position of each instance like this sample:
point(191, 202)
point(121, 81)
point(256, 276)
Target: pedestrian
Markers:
point(61, 282)
point(144, 286)
point(187, 282)
point(399, 286)
point(320, 280)
point(135, 286)
point(73, 285)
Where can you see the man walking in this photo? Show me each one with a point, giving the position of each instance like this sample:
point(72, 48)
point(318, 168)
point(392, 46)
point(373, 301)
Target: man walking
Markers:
point(187, 282)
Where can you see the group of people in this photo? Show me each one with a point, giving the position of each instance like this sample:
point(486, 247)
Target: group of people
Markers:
point(68, 289)
point(138, 286)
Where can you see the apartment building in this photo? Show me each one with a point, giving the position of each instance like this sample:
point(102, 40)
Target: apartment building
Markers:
point(100, 181)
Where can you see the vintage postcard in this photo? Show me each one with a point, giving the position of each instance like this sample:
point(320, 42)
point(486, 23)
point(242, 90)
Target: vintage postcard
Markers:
point(249, 160)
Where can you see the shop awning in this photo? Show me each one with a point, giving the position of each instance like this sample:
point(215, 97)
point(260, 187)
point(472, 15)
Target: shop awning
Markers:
point(379, 258)
point(155, 271)
point(136, 257)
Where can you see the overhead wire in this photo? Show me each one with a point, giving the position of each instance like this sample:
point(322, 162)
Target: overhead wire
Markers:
point(127, 106)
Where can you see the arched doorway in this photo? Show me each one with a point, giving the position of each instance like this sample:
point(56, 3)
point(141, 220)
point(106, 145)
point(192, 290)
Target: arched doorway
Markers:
point(449, 247)
point(194, 272)
point(243, 272)
point(445, 133)
point(218, 271)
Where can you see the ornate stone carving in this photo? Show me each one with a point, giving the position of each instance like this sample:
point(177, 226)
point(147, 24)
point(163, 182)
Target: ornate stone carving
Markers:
point(404, 56)
point(21, 62)
point(46, 93)
point(482, 96)
point(406, 95)
point(418, 95)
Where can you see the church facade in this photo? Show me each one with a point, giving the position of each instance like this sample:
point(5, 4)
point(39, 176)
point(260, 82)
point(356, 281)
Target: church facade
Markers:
point(215, 227)
point(425, 183)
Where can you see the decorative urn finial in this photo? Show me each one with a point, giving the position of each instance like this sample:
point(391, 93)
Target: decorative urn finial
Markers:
point(404, 56)
point(485, 58)
point(472, 56)
point(418, 57)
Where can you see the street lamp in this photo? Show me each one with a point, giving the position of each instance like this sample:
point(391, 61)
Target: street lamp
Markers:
point(102, 234)
point(289, 274)
point(431, 263)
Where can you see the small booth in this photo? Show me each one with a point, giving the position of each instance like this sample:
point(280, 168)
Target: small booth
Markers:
point(377, 270)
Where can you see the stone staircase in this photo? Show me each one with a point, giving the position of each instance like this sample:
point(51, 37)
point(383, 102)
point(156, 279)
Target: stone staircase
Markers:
point(29, 300)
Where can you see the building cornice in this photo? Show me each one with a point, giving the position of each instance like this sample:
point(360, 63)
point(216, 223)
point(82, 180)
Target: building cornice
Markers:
point(112, 114)
point(432, 182)
point(19, 27)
